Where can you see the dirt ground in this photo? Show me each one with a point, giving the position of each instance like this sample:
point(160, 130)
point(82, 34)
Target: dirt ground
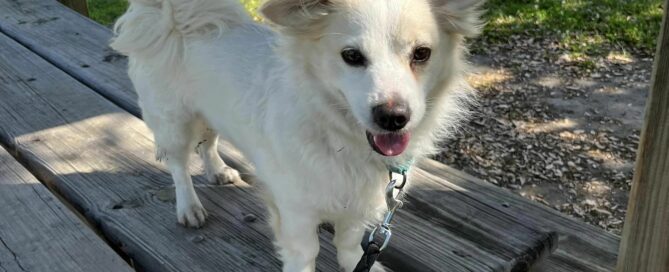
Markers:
point(554, 128)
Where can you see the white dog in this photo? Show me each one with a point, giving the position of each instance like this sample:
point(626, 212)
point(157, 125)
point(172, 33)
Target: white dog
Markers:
point(323, 105)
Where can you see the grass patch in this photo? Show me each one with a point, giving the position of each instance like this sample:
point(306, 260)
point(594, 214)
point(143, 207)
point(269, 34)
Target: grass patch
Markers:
point(106, 11)
point(588, 27)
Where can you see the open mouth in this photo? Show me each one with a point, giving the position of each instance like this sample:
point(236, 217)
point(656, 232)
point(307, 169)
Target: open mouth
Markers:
point(390, 144)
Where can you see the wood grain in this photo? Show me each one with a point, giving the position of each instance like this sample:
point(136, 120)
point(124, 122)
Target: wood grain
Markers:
point(38, 233)
point(581, 247)
point(100, 158)
point(645, 244)
point(74, 43)
point(455, 216)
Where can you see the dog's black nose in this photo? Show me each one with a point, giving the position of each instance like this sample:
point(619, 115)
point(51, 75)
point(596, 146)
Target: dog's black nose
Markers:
point(391, 117)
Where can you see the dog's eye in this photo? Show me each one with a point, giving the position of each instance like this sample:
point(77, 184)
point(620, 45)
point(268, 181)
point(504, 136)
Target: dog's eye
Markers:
point(421, 54)
point(353, 57)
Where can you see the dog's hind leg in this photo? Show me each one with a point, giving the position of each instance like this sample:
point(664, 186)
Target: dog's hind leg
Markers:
point(175, 141)
point(216, 170)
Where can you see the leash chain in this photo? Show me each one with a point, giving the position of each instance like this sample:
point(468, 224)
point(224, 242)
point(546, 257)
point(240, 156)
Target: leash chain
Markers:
point(380, 236)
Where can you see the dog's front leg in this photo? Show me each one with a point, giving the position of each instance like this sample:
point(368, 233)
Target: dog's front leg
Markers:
point(190, 211)
point(347, 240)
point(296, 234)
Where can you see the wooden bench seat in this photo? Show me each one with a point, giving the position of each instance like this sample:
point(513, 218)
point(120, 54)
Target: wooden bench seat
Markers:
point(69, 112)
point(39, 233)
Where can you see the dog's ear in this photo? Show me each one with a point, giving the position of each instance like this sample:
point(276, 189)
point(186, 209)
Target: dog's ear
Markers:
point(460, 16)
point(296, 15)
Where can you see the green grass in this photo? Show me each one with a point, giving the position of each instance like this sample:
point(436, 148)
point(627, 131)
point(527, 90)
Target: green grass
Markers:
point(584, 27)
point(106, 11)
point(587, 27)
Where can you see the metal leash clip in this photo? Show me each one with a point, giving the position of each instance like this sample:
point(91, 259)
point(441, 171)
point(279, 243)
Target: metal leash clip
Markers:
point(393, 195)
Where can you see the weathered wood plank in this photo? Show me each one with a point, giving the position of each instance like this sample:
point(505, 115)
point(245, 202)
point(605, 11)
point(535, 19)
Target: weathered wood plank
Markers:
point(428, 243)
point(479, 221)
point(80, 6)
point(55, 33)
point(100, 158)
point(582, 247)
point(645, 244)
point(39, 233)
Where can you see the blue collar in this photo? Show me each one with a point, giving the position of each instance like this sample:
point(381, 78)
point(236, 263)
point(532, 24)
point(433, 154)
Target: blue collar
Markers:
point(402, 168)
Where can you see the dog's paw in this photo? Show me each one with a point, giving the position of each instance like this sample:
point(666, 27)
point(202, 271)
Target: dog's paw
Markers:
point(192, 215)
point(225, 175)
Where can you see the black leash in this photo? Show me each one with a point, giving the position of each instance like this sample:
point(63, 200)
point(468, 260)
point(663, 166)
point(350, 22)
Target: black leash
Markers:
point(380, 236)
point(372, 252)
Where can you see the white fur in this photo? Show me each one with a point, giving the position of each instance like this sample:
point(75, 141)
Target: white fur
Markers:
point(288, 101)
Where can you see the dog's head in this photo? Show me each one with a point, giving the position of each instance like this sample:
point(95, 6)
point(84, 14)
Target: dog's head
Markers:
point(389, 61)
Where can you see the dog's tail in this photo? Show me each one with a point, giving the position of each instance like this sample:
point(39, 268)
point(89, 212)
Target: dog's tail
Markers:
point(157, 29)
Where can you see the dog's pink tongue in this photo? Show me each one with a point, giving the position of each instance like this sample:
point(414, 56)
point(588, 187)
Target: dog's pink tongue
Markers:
point(391, 144)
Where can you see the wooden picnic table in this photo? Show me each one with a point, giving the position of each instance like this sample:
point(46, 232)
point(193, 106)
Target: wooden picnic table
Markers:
point(70, 120)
